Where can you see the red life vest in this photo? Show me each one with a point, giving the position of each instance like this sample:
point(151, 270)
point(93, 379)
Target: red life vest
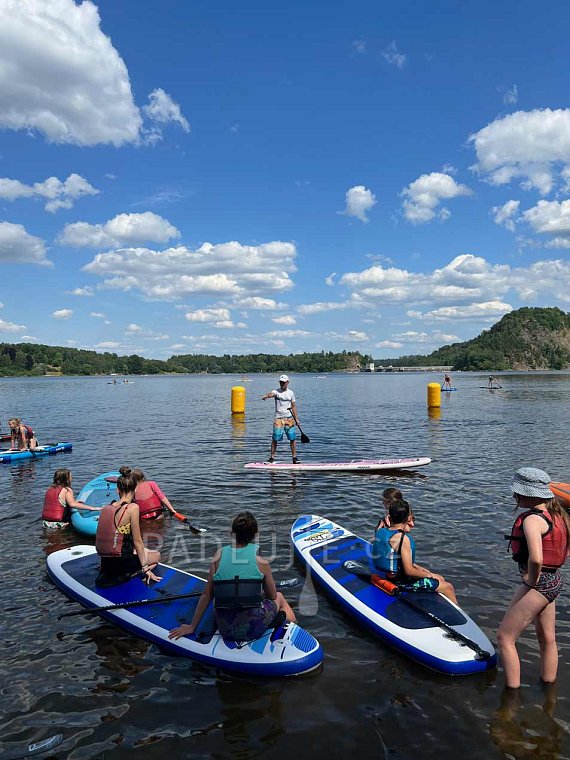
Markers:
point(554, 541)
point(147, 499)
point(109, 539)
point(53, 511)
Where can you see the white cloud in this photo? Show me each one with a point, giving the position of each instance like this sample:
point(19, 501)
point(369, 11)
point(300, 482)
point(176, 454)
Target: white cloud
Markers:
point(133, 328)
point(359, 200)
point(352, 336)
point(208, 315)
point(359, 46)
point(392, 56)
point(551, 218)
point(28, 338)
point(123, 229)
point(11, 327)
point(228, 324)
point(388, 344)
point(423, 196)
point(286, 319)
point(97, 314)
point(288, 333)
point(163, 110)
point(510, 94)
point(256, 302)
point(86, 291)
point(59, 194)
point(227, 269)
point(527, 145)
point(61, 75)
point(503, 215)
point(143, 332)
point(177, 346)
point(489, 311)
point(62, 313)
point(19, 247)
point(330, 280)
point(108, 344)
point(320, 306)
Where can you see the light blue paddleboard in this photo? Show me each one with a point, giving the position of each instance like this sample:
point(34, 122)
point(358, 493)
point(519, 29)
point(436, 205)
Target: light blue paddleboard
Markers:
point(98, 492)
point(10, 455)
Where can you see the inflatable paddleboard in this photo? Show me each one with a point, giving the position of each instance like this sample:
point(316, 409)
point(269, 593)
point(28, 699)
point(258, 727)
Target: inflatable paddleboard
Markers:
point(98, 492)
point(494, 388)
point(41, 451)
point(448, 390)
point(355, 465)
point(325, 546)
point(285, 651)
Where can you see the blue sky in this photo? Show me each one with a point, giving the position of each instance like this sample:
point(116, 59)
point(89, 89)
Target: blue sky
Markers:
point(186, 177)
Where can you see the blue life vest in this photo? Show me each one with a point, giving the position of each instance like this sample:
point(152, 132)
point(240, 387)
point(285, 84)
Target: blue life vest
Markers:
point(238, 582)
point(386, 559)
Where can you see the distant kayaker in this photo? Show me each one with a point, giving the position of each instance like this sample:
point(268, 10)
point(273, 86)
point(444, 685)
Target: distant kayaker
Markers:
point(446, 382)
point(22, 437)
point(539, 540)
point(393, 555)
point(149, 497)
point(285, 417)
point(59, 499)
point(246, 602)
point(118, 541)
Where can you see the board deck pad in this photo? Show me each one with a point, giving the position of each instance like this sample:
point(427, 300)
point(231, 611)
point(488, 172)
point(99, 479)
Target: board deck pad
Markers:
point(284, 651)
point(325, 546)
point(354, 465)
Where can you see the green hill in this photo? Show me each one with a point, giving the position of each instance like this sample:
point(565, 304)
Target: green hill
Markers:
point(528, 338)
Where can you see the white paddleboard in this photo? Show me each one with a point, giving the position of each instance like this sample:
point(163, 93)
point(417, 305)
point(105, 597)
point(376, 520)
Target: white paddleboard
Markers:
point(354, 465)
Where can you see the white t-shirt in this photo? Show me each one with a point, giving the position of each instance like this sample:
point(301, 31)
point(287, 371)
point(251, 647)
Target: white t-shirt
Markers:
point(283, 400)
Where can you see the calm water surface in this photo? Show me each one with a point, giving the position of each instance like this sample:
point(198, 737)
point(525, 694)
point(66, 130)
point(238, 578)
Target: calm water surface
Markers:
point(110, 693)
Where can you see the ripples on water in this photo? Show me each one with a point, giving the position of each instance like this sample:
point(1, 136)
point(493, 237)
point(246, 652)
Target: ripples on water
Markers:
point(110, 693)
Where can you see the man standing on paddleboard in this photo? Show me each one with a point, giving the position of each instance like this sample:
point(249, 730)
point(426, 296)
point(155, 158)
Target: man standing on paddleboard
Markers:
point(285, 417)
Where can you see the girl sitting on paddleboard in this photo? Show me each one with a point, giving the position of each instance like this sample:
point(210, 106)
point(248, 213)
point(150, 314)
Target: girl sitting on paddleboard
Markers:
point(394, 550)
point(118, 541)
point(59, 499)
point(149, 497)
point(540, 541)
point(246, 602)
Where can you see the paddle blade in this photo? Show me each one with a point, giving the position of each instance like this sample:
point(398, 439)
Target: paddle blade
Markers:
point(193, 529)
point(358, 568)
point(305, 438)
point(385, 585)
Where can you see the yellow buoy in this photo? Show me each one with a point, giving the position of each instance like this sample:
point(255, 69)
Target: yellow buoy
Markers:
point(238, 399)
point(433, 395)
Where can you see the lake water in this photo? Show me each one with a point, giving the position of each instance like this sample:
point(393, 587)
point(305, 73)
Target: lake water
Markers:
point(110, 693)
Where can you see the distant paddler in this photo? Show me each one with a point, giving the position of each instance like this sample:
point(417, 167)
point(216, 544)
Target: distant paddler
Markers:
point(446, 383)
point(285, 417)
point(493, 383)
point(22, 437)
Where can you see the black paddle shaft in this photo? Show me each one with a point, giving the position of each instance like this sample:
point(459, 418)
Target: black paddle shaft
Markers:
point(360, 569)
point(304, 438)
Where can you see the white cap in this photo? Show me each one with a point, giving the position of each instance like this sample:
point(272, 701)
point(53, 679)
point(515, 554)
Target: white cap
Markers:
point(284, 379)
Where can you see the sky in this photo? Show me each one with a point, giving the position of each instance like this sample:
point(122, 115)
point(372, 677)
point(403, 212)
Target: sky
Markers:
point(214, 177)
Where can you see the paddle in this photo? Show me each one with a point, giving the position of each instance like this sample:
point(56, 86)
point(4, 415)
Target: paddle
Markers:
point(158, 600)
point(359, 568)
point(192, 528)
point(304, 438)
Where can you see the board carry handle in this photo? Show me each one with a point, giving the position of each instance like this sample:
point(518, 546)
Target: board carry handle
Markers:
point(359, 568)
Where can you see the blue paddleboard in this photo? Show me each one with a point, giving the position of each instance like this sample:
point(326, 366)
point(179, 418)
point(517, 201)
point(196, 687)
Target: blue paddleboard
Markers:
point(284, 651)
point(50, 449)
point(98, 492)
point(325, 546)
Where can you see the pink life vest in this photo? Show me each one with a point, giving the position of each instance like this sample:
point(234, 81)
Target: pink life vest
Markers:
point(109, 539)
point(53, 510)
point(149, 503)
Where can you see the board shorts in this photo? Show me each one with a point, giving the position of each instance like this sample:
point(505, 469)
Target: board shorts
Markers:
point(283, 425)
point(549, 584)
point(246, 624)
point(420, 584)
point(55, 524)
